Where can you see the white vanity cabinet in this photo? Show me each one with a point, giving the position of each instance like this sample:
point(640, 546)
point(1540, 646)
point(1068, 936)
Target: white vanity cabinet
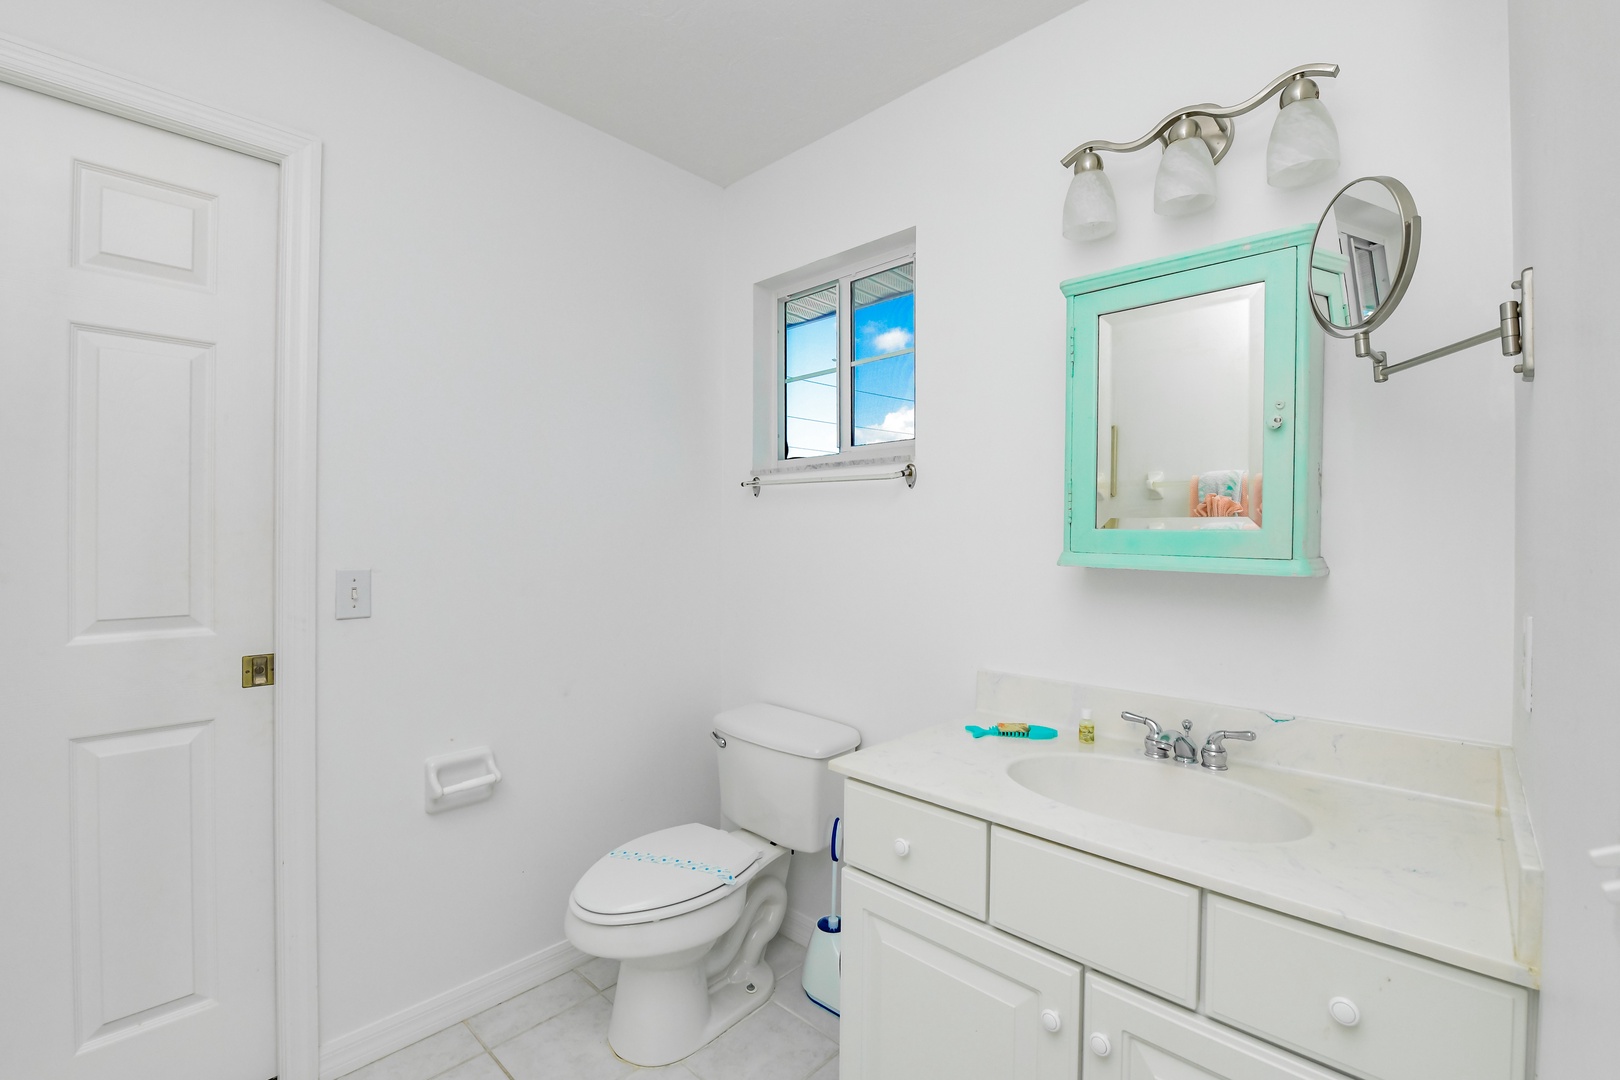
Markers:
point(965, 944)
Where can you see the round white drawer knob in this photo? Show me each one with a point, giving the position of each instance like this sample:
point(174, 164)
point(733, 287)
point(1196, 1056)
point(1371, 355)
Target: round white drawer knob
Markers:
point(1099, 1044)
point(1051, 1021)
point(902, 848)
point(1344, 1011)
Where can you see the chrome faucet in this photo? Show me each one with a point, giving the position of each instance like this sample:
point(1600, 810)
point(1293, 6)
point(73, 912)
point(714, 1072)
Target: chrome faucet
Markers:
point(1214, 755)
point(1160, 744)
point(1186, 752)
point(1156, 745)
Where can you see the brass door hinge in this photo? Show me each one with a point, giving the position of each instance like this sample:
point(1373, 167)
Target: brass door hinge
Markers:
point(259, 670)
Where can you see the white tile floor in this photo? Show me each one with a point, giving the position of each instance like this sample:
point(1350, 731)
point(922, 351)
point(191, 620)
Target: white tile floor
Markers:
point(558, 1031)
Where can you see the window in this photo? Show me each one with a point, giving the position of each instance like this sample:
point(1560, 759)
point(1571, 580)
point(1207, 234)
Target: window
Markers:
point(848, 363)
point(1368, 279)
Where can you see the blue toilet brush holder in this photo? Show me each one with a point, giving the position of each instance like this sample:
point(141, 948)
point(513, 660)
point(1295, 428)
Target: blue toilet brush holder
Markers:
point(821, 959)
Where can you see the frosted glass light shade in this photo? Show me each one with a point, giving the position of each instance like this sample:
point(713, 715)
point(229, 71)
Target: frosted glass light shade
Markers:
point(1186, 181)
point(1304, 145)
point(1089, 212)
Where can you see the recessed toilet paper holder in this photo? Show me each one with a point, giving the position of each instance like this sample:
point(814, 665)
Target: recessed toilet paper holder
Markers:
point(477, 765)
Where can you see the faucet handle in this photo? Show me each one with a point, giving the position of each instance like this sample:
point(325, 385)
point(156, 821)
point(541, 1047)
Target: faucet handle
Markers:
point(1152, 724)
point(1156, 745)
point(1214, 752)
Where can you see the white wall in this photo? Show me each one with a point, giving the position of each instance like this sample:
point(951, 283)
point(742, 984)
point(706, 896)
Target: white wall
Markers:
point(1566, 224)
point(907, 593)
point(516, 434)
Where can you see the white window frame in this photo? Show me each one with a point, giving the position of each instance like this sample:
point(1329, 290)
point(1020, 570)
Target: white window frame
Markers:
point(843, 271)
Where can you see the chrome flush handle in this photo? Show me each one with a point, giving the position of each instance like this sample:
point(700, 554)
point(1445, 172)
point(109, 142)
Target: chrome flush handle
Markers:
point(1214, 755)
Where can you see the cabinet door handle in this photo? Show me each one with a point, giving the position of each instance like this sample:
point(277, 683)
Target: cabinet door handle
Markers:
point(1051, 1021)
point(1344, 1012)
point(902, 848)
point(1099, 1044)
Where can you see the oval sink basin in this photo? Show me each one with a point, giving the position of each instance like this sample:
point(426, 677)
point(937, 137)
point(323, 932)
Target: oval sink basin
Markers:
point(1162, 795)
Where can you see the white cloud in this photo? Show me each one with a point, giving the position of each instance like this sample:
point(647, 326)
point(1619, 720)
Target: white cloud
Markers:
point(900, 424)
point(892, 340)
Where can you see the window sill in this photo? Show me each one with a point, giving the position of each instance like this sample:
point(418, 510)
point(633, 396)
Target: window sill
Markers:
point(840, 463)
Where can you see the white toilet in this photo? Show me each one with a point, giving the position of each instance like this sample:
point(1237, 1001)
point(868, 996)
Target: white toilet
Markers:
point(688, 911)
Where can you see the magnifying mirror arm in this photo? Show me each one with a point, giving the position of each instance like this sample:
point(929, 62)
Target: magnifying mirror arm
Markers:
point(1382, 370)
point(1515, 332)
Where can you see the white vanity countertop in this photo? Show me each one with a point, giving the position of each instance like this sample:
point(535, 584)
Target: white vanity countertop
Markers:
point(1419, 870)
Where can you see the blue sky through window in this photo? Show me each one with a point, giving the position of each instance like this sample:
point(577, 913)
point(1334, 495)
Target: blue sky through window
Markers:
point(885, 369)
point(812, 346)
point(878, 351)
point(810, 396)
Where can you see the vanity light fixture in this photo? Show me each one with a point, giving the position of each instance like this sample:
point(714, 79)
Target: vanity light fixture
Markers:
point(1304, 148)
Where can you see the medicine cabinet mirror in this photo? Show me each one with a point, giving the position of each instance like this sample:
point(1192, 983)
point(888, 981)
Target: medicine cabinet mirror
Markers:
point(1194, 430)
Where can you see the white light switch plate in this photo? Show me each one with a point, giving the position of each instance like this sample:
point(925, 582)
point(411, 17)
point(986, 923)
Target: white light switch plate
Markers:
point(354, 594)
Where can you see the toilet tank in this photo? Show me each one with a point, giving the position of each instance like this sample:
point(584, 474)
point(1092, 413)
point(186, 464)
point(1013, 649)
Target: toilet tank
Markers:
point(774, 779)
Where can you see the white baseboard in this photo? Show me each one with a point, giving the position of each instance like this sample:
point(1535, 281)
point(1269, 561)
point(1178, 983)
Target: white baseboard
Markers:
point(796, 927)
point(382, 1037)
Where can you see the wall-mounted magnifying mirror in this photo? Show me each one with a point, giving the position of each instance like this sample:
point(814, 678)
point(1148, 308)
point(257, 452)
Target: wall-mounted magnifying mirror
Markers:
point(1372, 225)
point(1371, 233)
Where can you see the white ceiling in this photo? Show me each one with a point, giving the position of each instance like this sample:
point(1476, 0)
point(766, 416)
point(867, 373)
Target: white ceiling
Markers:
point(718, 87)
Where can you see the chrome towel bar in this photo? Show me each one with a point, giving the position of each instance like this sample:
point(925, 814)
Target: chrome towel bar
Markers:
point(907, 473)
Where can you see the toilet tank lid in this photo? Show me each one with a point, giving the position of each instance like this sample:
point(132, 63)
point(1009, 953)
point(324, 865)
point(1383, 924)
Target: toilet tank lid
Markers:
point(788, 731)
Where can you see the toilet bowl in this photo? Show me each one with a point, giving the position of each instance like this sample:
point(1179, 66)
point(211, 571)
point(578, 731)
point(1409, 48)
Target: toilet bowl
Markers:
point(687, 911)
point(691, 967)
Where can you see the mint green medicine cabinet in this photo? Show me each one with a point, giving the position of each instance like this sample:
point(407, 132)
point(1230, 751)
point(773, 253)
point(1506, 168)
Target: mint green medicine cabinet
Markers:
point(1195, 410)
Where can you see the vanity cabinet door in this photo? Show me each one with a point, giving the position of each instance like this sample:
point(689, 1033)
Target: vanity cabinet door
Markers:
point(1130, 1035)
point(931, 995)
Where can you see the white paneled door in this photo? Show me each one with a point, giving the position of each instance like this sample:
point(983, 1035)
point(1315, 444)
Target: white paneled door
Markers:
point(137, 369)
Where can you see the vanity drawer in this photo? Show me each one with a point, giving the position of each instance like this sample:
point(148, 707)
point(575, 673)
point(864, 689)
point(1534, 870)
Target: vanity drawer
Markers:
point(1127, 922)
point(1130, 1035)
point(927, 849)
point(1408, 1017)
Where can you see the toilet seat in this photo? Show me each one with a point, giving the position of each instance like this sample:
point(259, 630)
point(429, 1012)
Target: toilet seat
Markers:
point(663, 874)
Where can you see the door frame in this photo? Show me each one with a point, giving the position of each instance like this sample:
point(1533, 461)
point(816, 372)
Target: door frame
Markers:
point(296, 552)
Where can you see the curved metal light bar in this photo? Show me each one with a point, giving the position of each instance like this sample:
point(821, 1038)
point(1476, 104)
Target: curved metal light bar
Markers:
point(1214, 121)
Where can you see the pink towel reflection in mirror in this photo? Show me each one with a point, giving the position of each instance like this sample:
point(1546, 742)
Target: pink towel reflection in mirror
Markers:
point(1247, 504)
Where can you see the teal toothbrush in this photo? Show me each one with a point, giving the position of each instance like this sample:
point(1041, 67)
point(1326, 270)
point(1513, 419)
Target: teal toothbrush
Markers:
point(1014, 731)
